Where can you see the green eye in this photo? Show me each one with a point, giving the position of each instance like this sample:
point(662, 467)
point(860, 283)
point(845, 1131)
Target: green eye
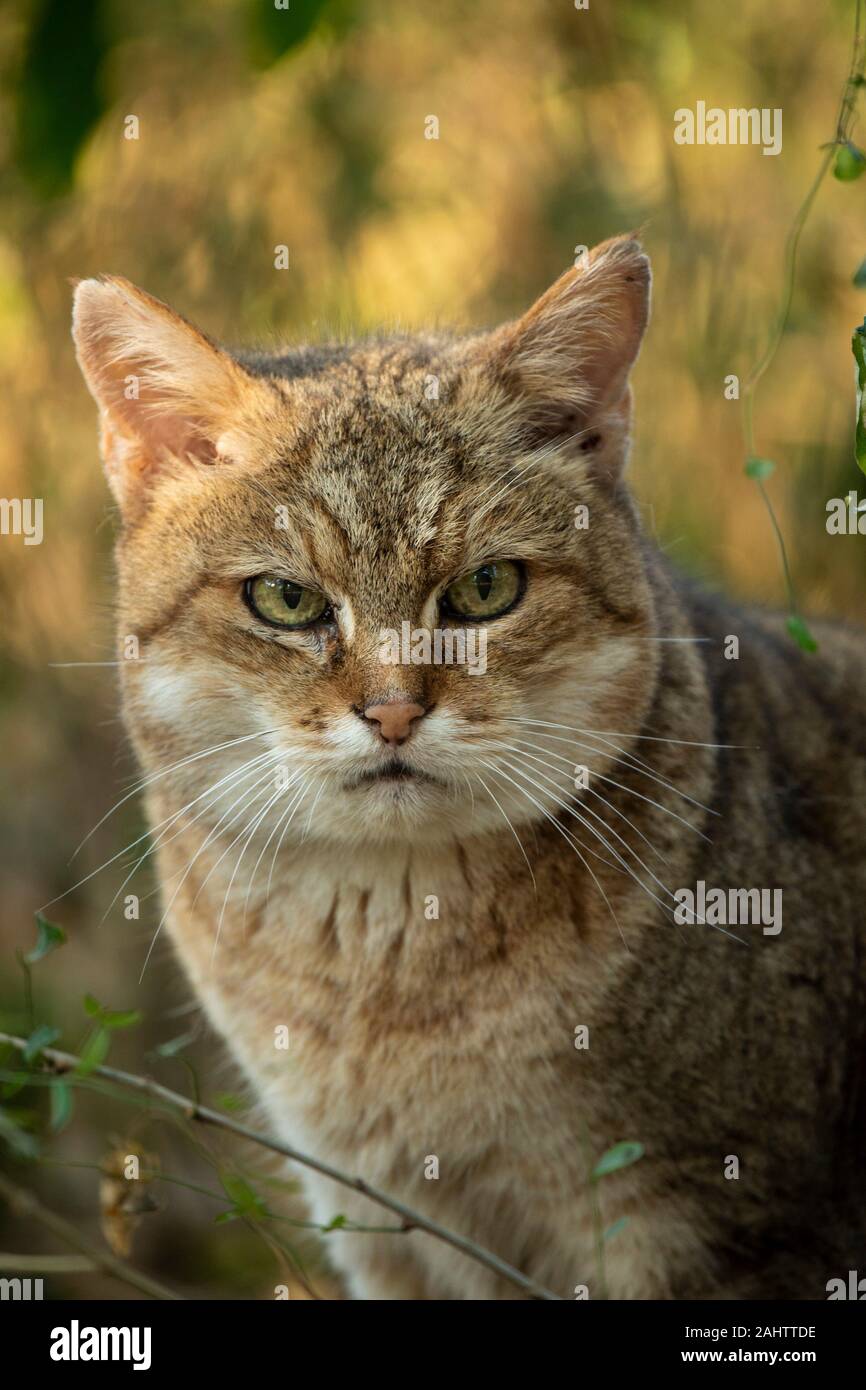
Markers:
point(284, 603)
point(487, 592)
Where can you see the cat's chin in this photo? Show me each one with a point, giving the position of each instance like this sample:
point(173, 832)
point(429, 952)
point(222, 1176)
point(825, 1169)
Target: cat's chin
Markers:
point(392, 810)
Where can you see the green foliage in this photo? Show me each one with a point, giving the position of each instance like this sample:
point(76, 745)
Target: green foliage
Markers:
point(275, 30)
point(61, 1105)
point(759, 469)
point(105, 1022)
point(94, 1051)
point(615, 1229)
point(43, 1036)
point(849, 164)
point(13, 1131)
point(246, 1202)
point(174, 1046)
point(230, 1103)
point(858, 347)
point(111, 1019)
point(620, 1156)
point(798, 629)
point(48, 938)
point(60, 97)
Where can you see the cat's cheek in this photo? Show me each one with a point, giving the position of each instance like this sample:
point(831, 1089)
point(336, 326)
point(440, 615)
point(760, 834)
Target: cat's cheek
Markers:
point(166, 692)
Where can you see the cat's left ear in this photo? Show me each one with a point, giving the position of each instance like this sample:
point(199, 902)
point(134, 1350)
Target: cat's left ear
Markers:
point(566, 362)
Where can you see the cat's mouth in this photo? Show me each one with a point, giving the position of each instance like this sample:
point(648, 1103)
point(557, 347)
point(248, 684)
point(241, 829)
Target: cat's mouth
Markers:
point(392, 772)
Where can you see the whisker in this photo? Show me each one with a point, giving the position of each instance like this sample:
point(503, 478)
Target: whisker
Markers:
point(636, 764)
point(522, 754)
point(510, 827)
point(285, 821)
point(610, 849)
point(107, 863)
point(569, 840)
point(230, 779)
point(164, 772)
point(255, 790)
point(309, 823)
point(645, 738)
point(630, 791)
point(664, 906)
point(267, 842)
point(252, 826)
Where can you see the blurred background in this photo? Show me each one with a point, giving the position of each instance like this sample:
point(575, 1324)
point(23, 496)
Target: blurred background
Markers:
point(304, 127)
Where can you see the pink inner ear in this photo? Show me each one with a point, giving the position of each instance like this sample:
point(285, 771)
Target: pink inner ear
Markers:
point(156, 427)
point(179, 436)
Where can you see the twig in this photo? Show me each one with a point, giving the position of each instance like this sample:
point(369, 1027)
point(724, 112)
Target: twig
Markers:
point(844, 118)
point(26, 1204)
point(64, 1062)
point(47, 1264)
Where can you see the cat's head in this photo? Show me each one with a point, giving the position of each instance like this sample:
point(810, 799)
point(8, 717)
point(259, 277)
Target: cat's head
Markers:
point(295, 527)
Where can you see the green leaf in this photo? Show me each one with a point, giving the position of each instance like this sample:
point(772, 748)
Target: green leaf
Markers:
point(274, 31)
point(48, 938)
point(759, 469)
point(19, 1141)
point(111, 1018)
point(94, 1052)
point(43, 1036)
point(849, 164)
point(174, 1045)
point(858, 347)
point(61, 1105)
point(121, 1018)
point(620, 1156)
point(335, 1224)
point(226, 1101)
point(615, 1229)
point(797, 629)
point(226, 1216)
point(246, 1202)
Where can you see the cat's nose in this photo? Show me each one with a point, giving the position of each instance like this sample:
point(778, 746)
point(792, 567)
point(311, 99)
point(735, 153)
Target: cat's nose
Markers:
point(394, 719)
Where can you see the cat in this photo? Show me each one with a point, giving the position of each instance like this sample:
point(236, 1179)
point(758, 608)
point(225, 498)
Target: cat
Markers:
point(454, 889)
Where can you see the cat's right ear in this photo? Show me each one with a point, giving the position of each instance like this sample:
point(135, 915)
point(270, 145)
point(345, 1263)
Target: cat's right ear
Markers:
point(168, 397)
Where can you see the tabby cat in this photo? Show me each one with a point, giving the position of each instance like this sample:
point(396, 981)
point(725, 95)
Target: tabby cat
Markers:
point(457, 893)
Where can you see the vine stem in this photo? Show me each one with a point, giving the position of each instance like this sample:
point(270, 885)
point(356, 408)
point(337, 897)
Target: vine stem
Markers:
point(792, 245)
point(63, 1063)
point(26, 1204)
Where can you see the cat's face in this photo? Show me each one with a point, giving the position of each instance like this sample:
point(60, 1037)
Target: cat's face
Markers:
point(377, 593)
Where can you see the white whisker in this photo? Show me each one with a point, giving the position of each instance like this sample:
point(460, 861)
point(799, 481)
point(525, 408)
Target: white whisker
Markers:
point(569, 840)
point(164, 772)
point(510, 827)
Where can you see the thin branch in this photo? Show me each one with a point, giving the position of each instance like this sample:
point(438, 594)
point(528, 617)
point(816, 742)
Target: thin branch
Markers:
point(847, 105)
point(24, 1203)
point(64, 1062)
point(47, 1264)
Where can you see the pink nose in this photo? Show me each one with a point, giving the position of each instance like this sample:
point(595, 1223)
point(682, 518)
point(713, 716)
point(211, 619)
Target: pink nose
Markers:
point(394, 720)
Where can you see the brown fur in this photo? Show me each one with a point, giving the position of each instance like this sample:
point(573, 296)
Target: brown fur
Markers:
point(453, 1036)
